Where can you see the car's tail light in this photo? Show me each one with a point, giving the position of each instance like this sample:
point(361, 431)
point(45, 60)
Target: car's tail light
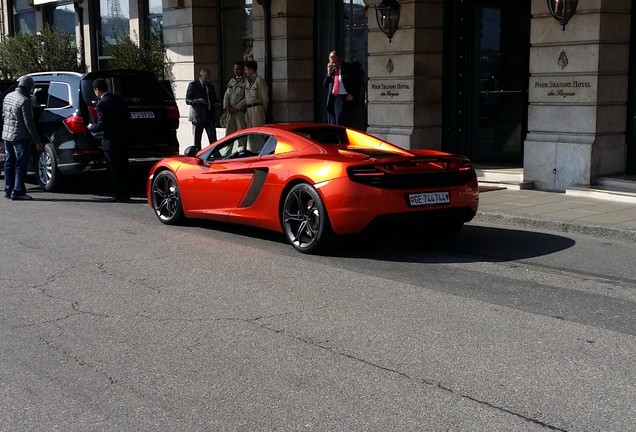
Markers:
point(93, 110)
point(75, 124)
point(463, 165)
point(366, 171)
point(172, 113)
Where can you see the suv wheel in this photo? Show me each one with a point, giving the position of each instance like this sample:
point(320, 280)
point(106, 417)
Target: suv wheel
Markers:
point(49, 178)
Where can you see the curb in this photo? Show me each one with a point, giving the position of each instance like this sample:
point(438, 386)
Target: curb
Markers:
point(598, 231)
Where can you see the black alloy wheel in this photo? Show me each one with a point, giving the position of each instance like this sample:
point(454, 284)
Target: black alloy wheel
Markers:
point(305, 221)
point(49, 177)
point(166, 199)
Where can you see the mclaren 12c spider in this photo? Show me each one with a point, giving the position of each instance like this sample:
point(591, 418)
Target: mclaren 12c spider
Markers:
point(314, 182)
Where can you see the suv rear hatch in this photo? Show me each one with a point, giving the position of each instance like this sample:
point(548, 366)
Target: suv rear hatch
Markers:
point(154, 116)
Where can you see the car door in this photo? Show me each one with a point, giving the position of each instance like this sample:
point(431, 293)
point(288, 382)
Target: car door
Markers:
point(224, 177)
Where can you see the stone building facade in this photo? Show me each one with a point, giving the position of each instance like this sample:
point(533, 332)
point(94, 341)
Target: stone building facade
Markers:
point(499, 81)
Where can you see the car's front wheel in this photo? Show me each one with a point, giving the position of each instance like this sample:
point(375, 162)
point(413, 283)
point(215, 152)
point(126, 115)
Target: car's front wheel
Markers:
point(49, 177)
point(305, 221)
point(166, 199)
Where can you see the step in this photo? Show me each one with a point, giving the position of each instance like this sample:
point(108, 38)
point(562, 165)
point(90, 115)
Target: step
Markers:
point(611, 193)
point(506, 185)
point(625, 183)
point(502, 178)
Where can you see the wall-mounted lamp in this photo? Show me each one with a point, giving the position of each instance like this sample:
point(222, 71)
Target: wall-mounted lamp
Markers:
point(388, 16)
point(562, 10)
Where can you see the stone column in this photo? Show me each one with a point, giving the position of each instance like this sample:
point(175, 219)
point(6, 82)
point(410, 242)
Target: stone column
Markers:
point(578, 95)
point(191, 37)
point(405, 76)
point(291, 81)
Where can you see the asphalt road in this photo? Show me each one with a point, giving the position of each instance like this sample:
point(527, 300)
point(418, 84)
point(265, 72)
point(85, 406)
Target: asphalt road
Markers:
point(111, 321)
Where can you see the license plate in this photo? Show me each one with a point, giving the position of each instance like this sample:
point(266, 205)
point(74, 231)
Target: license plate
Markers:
point(142, 115)
point(429, 198)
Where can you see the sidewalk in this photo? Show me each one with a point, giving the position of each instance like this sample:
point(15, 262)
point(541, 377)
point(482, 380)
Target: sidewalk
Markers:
point(556, 211)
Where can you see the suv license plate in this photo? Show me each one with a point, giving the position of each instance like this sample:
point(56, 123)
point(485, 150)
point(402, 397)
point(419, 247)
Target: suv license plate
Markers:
point(428, 199)
point(142, 115)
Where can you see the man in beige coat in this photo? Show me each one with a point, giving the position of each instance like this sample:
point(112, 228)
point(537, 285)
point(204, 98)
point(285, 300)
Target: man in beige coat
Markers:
point(256, 96)
point(234, 103)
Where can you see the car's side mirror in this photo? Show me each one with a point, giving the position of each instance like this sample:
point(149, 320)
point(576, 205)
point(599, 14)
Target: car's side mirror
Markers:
point(191, 151)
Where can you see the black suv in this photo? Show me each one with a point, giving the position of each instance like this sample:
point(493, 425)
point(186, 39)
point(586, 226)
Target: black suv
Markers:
point(64, 104)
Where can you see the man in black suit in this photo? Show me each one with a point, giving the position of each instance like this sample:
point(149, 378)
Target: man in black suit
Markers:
point(112, 119)
point(201, 97)
point(343, 82)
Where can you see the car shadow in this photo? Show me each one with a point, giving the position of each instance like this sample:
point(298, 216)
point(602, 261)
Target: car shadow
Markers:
point(473, 243)
point(95, 184)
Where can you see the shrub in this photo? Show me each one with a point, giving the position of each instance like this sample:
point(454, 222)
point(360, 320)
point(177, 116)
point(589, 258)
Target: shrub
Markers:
point(46, 51)
point(130, 54)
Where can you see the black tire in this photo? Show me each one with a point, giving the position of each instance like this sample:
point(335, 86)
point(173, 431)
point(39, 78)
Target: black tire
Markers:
point(166, 199)
point(47, 173)
point(305, 220)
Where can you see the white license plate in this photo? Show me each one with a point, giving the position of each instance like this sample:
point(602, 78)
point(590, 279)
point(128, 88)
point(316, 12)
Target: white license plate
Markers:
point(429, 198)
point(142, 115)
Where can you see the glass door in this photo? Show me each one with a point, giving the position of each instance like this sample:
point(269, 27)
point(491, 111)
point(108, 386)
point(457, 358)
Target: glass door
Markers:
point(486, 100)
point(501, 83)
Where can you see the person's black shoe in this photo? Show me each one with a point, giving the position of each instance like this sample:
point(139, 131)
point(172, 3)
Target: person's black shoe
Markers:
point(24, 197)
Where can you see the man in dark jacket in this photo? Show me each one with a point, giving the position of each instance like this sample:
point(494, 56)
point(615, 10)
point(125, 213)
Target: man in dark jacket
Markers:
point(343, 82)
point(112, 119)
point(201, 97)
point(18, 132)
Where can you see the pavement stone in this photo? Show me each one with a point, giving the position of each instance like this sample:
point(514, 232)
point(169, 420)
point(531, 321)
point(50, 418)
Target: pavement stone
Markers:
point(555, 211)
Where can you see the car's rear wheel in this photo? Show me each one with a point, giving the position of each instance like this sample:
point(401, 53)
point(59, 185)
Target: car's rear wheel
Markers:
point(49, 177)
point(305, 221)
point(166, 199)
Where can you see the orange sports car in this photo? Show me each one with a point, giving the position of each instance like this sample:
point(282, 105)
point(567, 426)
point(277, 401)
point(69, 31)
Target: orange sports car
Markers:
point(314, 182)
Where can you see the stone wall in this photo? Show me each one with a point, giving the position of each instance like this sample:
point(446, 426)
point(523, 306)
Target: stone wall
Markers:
point(405, 76)
point(191, 35)
point(577, 95)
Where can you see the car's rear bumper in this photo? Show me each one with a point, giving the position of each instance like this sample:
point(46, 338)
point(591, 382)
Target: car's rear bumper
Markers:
point(352, 206)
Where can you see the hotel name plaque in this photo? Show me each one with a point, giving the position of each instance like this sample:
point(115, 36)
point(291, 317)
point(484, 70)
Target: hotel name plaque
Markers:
point(391, 91)
point(570, 90)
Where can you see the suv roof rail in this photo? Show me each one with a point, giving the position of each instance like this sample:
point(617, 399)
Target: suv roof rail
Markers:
point(63, 73)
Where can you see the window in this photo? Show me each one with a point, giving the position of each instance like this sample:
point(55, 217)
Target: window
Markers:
point(59, 95)
point(23, 17)
point(62, 17)
point(154, 23)
point(40, 95)
point(355, 32)
point(114, 22)
point(243, 146)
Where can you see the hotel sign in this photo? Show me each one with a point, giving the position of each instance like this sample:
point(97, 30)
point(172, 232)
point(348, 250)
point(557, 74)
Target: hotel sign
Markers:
point(391, 91)
point(563, 89)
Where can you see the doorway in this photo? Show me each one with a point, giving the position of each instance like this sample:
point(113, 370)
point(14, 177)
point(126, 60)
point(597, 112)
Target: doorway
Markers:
point(486, 95)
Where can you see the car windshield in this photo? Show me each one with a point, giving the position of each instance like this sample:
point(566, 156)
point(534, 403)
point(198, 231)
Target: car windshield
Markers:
point(324, 135)
point(138, 89)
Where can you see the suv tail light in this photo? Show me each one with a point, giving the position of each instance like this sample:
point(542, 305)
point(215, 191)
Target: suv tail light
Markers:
point(75, 123)
point(93, 110)
point(172, 113)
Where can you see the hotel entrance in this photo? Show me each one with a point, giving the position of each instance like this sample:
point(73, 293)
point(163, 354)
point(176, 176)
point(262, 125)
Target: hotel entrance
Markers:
point(486, 60)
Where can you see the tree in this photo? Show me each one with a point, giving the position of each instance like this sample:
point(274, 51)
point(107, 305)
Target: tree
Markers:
point(48, 50)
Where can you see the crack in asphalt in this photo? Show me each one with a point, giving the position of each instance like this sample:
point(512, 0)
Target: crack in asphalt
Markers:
point(432, 383)
point(256, 321)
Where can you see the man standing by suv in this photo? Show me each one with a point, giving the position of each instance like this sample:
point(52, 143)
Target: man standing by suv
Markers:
point(18, 132)
point(201, 97)
point(112, 119)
